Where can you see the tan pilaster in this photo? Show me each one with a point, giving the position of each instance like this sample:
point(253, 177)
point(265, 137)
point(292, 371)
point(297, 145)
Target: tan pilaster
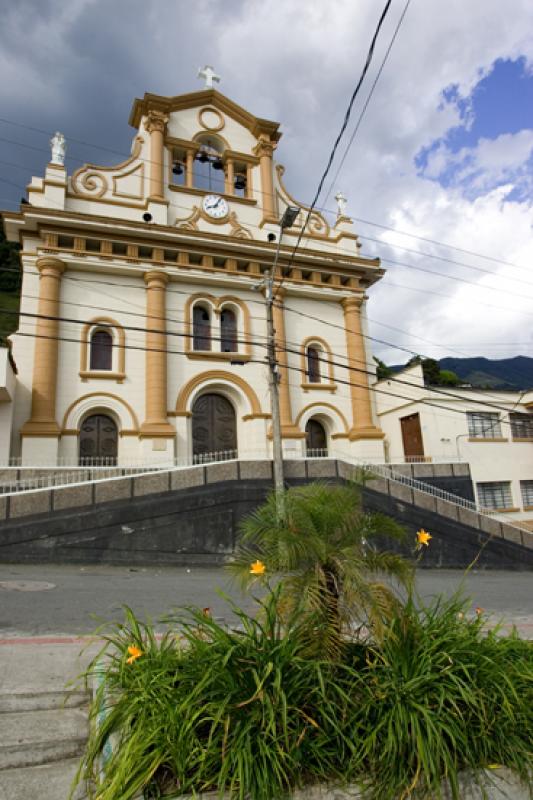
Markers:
point(288, 429)
point(229, 187)
point(155, 125)
point(42, 421)
point(362, 423)
point(189, 172)
point(156, 423)
point(264, 149)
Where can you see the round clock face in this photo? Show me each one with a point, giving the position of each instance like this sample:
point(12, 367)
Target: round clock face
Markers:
point(215, 206)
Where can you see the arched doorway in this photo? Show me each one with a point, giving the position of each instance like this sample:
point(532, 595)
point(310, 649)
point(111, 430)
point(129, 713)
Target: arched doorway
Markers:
point(316, 440)
point(98, 441)
point(214, 429)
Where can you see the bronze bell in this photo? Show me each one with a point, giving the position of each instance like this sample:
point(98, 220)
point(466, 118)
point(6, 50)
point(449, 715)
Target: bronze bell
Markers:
point(203, 157)
point(240, 182)
point(218, 163)
point(177, 169)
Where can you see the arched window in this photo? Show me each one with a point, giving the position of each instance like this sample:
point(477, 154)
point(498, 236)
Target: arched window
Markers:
point(228, 331)
point(208, 165)
point(313, 364)
point(201, 323)
point(101, 351)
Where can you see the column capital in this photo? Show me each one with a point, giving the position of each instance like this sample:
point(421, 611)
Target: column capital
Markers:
point(355, 301)
point(156, 121)
point(264, 147)
point(156, 278)
point(51, 265)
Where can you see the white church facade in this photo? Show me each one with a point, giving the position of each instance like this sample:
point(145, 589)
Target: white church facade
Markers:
point(142, 333)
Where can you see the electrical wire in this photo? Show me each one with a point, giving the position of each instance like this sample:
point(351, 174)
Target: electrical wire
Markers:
point(339, 135)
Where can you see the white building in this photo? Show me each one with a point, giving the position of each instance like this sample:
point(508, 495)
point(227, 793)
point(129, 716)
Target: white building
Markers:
point(143, 326)
point(490, 430)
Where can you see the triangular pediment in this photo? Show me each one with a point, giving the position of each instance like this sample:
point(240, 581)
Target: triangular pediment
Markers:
point(211, 97)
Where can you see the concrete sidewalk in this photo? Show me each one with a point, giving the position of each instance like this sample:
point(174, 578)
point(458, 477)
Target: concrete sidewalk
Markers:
point(43, 721)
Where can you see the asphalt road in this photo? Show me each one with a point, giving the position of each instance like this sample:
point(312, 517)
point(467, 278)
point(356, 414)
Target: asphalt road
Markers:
point(49, 599)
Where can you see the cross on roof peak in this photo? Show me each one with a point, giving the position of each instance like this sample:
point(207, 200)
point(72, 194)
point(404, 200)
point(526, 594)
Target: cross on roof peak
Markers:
point(210, 76)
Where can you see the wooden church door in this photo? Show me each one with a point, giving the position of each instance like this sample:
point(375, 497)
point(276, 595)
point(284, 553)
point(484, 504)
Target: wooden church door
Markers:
point(413, 445)
point(98, 440)
point(316, 441)
point(214, 428)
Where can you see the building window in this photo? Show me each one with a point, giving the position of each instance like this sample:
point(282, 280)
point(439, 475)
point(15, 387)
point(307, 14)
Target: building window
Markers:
point(495, 495)
point(101, 351)
point(228, 331)
point(521, 425)
point(313, 364)
point(484, 425)
point(526, 487)
point(201, 328)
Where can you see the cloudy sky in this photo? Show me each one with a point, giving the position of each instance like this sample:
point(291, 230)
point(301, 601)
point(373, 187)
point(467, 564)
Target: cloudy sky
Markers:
point(442, 162)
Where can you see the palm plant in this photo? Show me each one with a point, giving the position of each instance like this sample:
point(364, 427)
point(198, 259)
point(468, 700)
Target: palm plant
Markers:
point(323, 551)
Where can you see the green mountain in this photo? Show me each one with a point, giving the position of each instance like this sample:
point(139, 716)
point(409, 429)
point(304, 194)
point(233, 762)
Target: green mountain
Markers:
point(504, 373)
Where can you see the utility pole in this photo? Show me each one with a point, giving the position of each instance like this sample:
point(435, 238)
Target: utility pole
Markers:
point(289, 216)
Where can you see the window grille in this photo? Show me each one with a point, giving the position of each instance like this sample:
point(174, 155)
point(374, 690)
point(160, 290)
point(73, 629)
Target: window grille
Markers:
point(228, 331)
point(201, 329)
point(101, 351)
point(526, 488)
point(521, 425)
point(313, 365)
point(495, 494)
point(484, 425)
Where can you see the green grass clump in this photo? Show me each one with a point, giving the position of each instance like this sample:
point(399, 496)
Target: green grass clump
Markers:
point(251, 713)
point(242, 711)
point(441, 696)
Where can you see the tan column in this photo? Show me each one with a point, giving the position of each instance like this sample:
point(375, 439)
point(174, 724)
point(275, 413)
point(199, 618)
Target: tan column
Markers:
point(288, 429)
point(229, 187)
point(189, 174)
point(155, 125)
point(264, 149)
point(43, 395)
point(156, 423)
point(362, 426)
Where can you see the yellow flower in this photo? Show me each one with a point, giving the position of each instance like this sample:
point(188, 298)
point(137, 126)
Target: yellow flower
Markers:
point(134, 654)
point(423, 537)
point(257, 568)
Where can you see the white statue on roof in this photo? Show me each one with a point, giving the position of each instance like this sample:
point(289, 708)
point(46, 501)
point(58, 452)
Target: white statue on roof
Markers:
point(57, 143)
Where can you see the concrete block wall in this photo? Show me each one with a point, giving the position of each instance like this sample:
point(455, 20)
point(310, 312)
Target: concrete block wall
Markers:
point(192, 515)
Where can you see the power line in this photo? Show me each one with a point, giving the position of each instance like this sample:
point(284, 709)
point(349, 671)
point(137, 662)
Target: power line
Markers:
point(123, 154)
point(99, 282)
point(341, 132)
point(368, 99)
point(142, 329)
point(388, 261)
point(428, 402)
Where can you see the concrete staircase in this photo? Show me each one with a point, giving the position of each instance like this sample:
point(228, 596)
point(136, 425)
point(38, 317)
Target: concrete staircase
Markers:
point(42, 737)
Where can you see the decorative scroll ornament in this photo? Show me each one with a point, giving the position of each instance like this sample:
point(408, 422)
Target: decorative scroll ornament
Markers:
point(91, 181)
point(237, 229)
point(57, 143)
point(317, 225)
point(190, 223)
